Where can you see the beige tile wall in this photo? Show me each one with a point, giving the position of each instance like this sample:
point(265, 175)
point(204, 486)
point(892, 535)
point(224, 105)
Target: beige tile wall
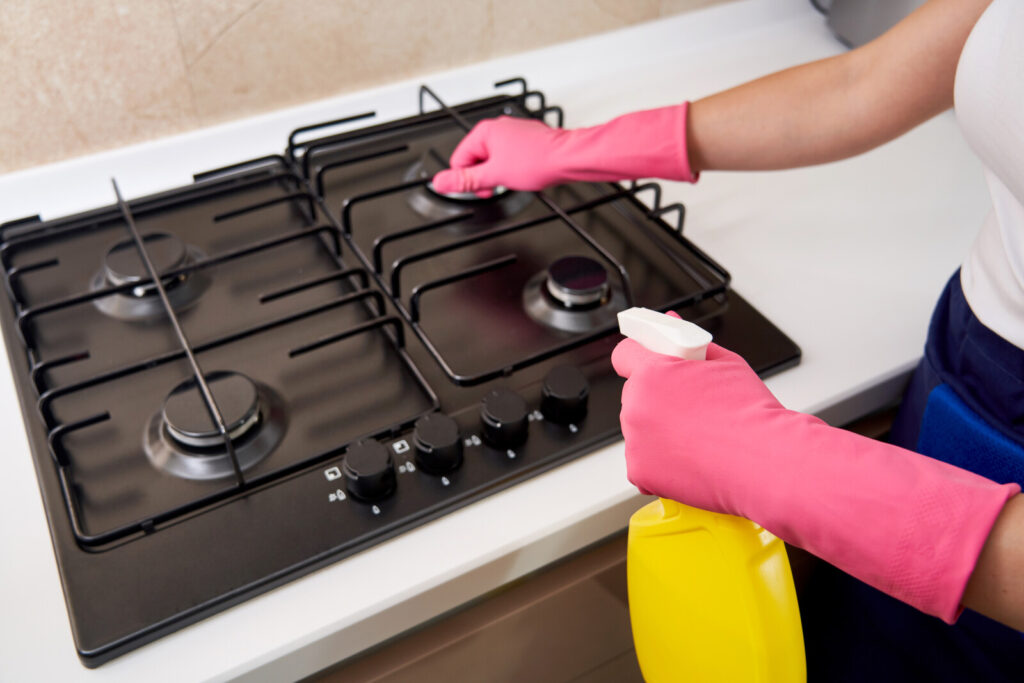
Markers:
point(79, 76)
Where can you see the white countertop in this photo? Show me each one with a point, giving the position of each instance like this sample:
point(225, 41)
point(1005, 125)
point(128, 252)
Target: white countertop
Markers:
point(847, 258)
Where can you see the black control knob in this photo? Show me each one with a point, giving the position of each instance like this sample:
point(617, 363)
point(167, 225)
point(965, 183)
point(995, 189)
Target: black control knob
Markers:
point(438, 444)
point(369, 471)
point(564, 396)
point(504, 415)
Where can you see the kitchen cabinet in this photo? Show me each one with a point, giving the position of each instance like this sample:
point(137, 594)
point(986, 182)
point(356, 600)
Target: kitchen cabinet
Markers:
point(565, 623)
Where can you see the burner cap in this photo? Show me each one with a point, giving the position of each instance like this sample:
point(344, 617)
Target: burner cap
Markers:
point(123, 265)
point(573, 298)
point(467, 196)
point(430, 203)
point(188, 421)
point(577, 281)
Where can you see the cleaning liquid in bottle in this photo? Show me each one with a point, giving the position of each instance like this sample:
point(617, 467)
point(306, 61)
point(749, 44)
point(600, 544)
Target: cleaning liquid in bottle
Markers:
point(711, 596)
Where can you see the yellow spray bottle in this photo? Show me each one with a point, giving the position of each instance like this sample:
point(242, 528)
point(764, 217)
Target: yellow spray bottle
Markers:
point(711, 596)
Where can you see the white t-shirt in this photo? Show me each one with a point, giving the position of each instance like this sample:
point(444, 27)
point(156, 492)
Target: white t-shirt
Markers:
point(989, 96)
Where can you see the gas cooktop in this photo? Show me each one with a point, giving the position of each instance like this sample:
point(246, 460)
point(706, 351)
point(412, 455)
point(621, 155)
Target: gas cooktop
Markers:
point(230, 384)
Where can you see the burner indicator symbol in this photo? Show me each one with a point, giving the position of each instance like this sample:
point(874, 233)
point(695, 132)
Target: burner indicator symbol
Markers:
point(332, 473)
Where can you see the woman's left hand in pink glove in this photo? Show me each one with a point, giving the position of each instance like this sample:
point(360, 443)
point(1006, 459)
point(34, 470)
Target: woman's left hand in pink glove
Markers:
point(710, 434)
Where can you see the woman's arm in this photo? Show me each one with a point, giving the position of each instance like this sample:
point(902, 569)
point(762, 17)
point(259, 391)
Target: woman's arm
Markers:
point(996, 587)
point(837, 107)
point(823, 111)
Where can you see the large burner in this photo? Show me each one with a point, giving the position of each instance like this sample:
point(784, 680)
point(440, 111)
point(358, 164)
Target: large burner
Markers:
point(122, 265)
point(183, 440)
point(431, 204)
point(573, 295)
point(187, 418)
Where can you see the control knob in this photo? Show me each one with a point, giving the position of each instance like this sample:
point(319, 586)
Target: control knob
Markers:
point(504, 416)
point(438, 444)
point(369, 471)
point(564, 396)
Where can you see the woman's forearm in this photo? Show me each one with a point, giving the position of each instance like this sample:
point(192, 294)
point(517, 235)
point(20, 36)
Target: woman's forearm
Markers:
point(836, 107)
point(996, 587)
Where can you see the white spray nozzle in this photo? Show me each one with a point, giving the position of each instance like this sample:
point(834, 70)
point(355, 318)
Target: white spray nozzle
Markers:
point(665, 334)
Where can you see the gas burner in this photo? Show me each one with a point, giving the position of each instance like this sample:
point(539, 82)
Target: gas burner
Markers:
point(573, 295)
point(122, 266)
point(434, 205)
point(577, 282)
point(466, 196)
point(183, 440)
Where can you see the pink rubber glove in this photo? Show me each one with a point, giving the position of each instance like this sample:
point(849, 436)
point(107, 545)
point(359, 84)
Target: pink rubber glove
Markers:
point(710, 434)
point(526, 154)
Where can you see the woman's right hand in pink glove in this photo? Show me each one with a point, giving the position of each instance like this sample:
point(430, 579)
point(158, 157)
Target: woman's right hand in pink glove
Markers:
point(710, 434)
point(511, 152)
point(525, 154)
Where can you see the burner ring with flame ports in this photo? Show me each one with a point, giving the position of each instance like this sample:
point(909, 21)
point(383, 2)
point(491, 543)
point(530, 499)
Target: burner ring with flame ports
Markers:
point(182, 439)
point(573, 295)
point(123, 266)
point(431, 204)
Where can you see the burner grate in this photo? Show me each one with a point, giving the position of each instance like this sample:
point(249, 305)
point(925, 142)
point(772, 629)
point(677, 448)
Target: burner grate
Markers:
point(367, 317)
point(326, 157)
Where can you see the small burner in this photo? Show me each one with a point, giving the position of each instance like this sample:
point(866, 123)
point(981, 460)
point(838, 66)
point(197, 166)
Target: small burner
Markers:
point(434, 205)
point(577, 281)
point(122, 265)
point(183, 440)
point(573, 295)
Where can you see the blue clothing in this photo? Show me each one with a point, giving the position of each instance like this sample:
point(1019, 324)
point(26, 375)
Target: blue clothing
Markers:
point(964, 405)
point(984, 370)
point(981, 448)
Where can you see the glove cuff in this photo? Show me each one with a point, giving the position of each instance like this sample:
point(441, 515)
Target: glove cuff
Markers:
point(939, 546)
point(642, 144)
point(911, 526)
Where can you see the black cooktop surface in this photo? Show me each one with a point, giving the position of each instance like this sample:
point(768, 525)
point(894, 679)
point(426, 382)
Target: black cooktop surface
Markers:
point(230, 384)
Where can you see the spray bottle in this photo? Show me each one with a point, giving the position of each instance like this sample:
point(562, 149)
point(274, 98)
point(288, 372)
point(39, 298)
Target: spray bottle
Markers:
point(711, 596)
